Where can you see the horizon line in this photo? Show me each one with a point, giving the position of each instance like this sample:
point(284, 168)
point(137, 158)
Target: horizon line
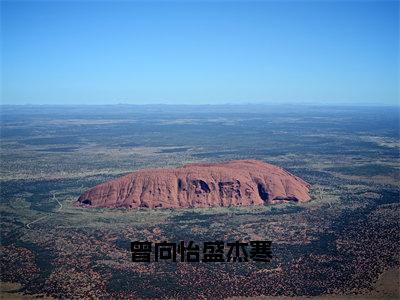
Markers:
point(373, 104)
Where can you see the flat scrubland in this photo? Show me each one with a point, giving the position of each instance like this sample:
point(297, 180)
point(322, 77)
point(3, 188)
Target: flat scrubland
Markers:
point(343, 243)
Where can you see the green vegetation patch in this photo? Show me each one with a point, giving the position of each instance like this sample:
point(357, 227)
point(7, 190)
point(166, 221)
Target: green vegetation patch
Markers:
point(367, 170)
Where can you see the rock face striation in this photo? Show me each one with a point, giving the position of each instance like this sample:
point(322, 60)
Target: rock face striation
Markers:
point(231, 183)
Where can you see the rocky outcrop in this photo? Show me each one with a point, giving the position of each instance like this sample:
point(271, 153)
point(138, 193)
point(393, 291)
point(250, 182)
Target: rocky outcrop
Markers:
point(231, 183)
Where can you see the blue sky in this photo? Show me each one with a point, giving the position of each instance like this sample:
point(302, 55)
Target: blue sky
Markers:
point(89, 52)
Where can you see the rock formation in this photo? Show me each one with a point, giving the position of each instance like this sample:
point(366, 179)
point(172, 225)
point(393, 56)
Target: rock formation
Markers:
point(231, 183)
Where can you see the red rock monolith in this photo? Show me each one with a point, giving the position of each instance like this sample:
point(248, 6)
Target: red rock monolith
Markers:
point(231, 183)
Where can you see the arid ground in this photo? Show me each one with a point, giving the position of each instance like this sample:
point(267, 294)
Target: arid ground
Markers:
point(342, 244)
